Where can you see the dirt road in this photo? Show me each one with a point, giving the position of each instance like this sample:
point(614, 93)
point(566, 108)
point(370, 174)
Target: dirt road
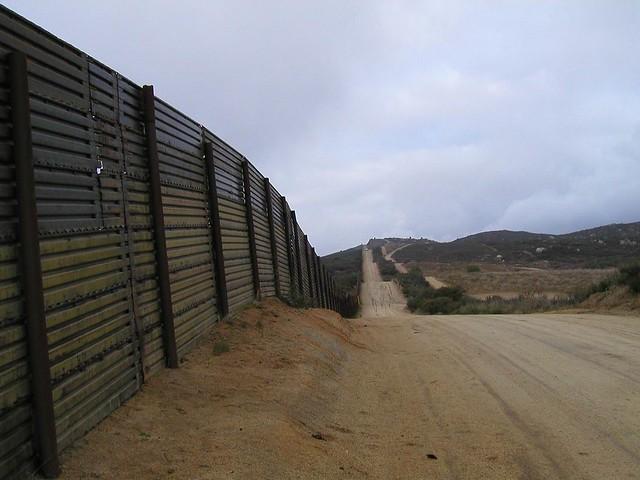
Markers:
point(504, 396)
point(304, 394)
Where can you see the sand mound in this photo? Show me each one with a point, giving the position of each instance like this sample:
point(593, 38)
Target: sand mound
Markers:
point(227, 412)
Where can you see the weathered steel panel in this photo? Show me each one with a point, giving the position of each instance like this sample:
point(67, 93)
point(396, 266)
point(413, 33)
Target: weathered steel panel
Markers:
point(86, 265)
point(262, 236)
point(139, 226)
point(282, 243)
point(304, 264)
point(15, 410)
point(186, 219)
point(233, 223)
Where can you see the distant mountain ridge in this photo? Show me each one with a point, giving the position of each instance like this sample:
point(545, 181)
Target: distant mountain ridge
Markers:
point(604, 246)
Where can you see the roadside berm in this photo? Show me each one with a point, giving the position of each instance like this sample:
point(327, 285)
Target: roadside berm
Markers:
point(248, 402)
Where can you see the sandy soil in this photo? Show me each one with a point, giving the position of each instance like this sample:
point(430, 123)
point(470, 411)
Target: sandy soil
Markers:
point(389, 396)
point(434, 282)
point(250, 413)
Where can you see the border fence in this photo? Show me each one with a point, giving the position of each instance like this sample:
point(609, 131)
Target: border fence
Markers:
point(126, 231)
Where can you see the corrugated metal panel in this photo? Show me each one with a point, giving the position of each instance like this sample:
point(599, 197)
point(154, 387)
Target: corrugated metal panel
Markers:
point(85, 262)
point(294, 288)
point(282, 243)
point(306, 287)
point(139, 225)
point(15, 410)
point(233, 223)
point(261, 227)
point(186, 219)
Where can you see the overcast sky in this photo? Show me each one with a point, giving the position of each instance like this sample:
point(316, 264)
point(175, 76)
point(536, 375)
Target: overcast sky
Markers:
point(435, 119)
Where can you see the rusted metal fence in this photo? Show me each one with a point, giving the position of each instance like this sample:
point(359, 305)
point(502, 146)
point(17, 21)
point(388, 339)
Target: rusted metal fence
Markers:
point(126, 230)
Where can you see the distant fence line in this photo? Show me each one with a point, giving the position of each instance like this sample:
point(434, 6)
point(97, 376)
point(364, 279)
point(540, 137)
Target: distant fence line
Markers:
point(126, 230)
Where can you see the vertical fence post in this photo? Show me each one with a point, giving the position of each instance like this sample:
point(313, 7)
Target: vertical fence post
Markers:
point(246, 179)
point(316, 275)
point(329, 292)
point(168, 329)
point(216, 231)
point(325, 296)
point(287, 233)
point(332, 285)
point(272, 236)
point(44, 435)
point(298, 253)
point(325, 289)
point(334, 294)
point(307, 254)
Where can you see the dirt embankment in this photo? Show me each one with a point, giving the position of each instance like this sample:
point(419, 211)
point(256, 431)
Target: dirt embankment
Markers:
point(306, 395)
point(615, 300)
point(248, 413)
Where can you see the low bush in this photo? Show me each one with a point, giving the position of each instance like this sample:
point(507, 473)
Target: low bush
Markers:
point(473, 268)
point(630, 276)
point(298, 301)
point(387, 268)
point(220, 347)
point(423, 298)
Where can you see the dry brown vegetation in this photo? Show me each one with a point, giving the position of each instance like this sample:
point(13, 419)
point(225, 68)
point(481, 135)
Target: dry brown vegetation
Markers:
point(513, 281)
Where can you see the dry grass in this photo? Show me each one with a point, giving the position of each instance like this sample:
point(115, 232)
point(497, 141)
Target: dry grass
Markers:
point(492, 278)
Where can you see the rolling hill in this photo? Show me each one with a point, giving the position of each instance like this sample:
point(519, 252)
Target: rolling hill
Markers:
point(605, 246)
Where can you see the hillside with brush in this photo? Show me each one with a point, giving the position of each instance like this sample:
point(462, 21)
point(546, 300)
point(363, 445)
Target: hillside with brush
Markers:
point(606, 246)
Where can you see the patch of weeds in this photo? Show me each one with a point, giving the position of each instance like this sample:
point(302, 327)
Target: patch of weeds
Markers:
point(298, 301)
point(630, 276)
point(220, 347)
point(473, 268)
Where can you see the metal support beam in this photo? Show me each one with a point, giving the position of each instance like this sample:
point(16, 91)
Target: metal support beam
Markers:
point(297, 240)
point(316, 276)
point(325, 287)
point(307, 252)
point(246, 179)
point(333, 294)
point(330, 291)
point(286, 217)
point(272, 237)
point(44, 437)
point(216, 232)
point(168, 329)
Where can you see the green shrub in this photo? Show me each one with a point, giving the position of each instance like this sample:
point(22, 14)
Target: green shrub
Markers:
point(630, 276)
point(387, 268)
point(220, 347)
point(438, 305)
point(296, 300)
point(473, 268)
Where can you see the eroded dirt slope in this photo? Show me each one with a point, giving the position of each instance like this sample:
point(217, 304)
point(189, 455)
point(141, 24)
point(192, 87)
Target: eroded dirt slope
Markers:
point(248, 413)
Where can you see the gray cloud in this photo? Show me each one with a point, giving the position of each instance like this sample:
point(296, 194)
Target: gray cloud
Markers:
point(433, 119)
